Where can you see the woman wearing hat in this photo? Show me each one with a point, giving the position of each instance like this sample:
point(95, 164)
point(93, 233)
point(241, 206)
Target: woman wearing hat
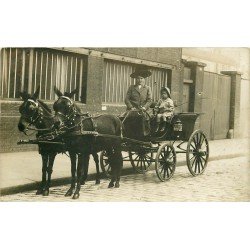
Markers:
point(164, 108)
point(139, 96)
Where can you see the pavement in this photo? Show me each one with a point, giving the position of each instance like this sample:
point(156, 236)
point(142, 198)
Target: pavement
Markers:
point(21, 171)
point(225, 180)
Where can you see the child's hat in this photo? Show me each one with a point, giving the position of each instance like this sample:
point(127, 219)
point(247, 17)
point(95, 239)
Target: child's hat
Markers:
point(165, 89)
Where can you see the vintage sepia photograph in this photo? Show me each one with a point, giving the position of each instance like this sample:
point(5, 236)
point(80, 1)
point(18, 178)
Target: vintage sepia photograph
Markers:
point(124, 124)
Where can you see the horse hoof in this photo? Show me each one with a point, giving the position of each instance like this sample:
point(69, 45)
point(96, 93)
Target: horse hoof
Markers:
point(39, 192)
point(111, 184)
point(69, 193)
point(45, 192)
point(75, 196)
point(97, 182)
point(117, 184)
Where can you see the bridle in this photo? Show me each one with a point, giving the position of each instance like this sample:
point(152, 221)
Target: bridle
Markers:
point(71, 114)
point(37, 116)
point(68, 121)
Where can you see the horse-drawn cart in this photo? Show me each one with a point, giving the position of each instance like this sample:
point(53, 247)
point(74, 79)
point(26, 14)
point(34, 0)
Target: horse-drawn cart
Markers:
point(135, 134)
point(161, 150)
point(178, 137)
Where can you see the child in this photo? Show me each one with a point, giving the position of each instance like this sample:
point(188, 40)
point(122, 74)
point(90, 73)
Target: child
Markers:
point(164, 108)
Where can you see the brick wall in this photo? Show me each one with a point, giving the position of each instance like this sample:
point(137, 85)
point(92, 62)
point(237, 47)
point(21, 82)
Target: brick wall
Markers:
point(161, 55)
point(8, 128)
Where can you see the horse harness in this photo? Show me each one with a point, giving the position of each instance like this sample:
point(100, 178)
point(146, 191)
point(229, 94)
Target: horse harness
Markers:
point(37, 118)
point(68, 126)
point(71, 117)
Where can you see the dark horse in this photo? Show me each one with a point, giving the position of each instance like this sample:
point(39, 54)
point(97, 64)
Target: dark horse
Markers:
point(95, 155)
point(80, 137)
point(36, 113)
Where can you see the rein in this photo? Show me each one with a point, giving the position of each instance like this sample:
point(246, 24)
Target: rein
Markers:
point(76, 125)
point(138, 112)
point(61, 131)
point(70, 117)
point(33, 123)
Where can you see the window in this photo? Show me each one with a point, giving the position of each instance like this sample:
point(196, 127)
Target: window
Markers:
point(12, 74)
point(25, 69)
point(187, 97)
point(116, 81)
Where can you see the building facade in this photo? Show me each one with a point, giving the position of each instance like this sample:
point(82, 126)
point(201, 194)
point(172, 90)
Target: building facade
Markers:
point(100, 74)
point(200, 81)
point(225, 89)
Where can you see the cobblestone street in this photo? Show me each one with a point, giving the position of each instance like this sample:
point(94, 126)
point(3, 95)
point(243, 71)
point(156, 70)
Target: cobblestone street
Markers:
point(223, 180)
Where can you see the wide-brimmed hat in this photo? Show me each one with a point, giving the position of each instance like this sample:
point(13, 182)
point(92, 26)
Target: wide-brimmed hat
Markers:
point(166, 89)
point(141, 70)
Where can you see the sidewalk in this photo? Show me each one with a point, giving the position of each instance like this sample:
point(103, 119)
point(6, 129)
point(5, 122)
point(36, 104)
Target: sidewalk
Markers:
point(22, 171)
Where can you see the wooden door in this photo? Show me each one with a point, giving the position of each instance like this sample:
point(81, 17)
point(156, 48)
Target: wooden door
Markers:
point(215, 105)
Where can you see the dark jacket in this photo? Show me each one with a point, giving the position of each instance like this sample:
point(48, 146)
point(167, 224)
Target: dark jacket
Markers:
point(138, 98)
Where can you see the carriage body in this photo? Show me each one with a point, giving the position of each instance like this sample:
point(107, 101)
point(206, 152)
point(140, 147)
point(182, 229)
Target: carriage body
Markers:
point(181, 127)
point(162, 149)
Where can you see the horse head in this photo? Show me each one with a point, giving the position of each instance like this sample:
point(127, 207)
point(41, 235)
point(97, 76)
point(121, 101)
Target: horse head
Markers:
point(65, 108)
point(32, 111)
point(28, 109)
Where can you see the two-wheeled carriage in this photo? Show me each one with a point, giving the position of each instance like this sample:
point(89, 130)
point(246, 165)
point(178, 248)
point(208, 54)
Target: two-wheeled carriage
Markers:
point(161, 149)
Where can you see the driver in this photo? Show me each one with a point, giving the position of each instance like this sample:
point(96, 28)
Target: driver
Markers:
point(139, 96)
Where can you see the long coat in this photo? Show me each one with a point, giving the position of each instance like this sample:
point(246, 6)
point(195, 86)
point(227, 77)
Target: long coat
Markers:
point(138, 98)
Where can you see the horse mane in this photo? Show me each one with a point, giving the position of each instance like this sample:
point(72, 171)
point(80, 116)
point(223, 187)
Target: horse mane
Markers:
point(45, 106)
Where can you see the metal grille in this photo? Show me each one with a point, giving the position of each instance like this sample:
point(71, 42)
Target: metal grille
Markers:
point(116, 81)
point(64, 71)
point(26, 69)
point(12, 72)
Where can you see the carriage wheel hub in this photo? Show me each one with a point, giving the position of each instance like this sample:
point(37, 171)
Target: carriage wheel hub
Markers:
point(199, 152)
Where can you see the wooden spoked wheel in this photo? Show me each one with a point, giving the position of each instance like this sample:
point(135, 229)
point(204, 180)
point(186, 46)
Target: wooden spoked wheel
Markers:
point(141, 160)
point(197, 153)
point(105, 166)
point(165, 162)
